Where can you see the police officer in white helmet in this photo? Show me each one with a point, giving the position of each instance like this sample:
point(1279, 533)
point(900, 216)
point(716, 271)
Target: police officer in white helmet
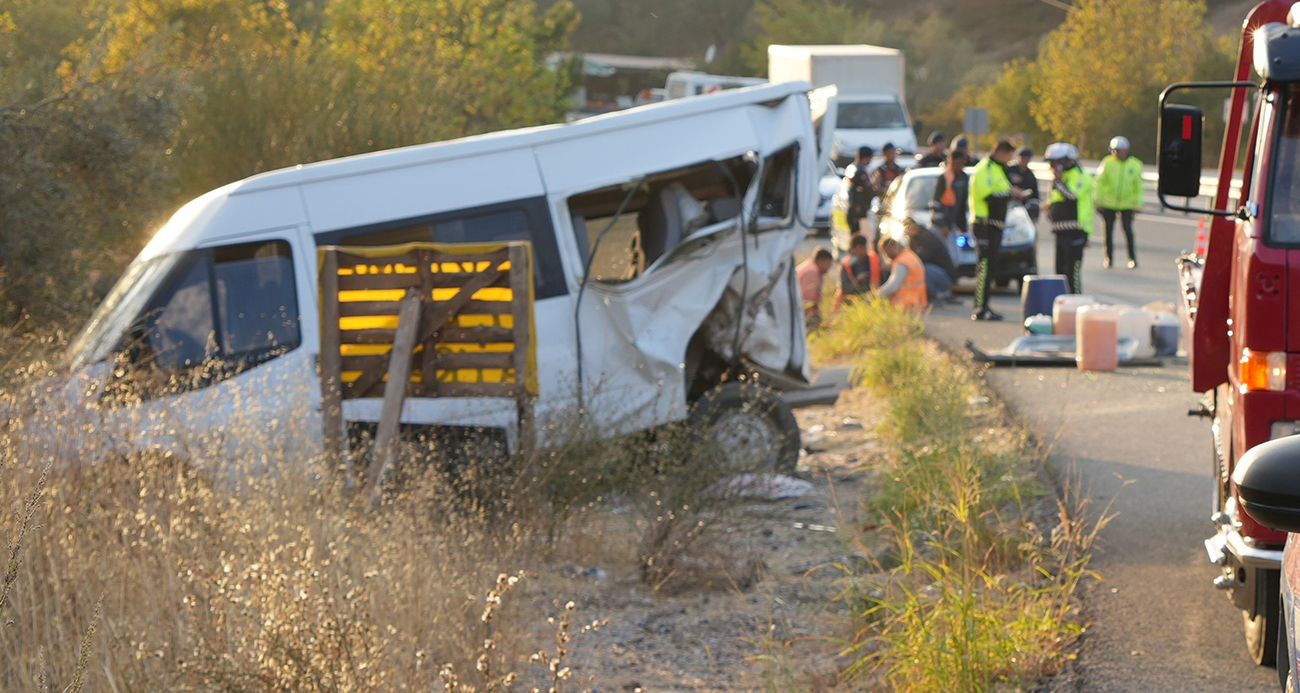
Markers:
point(1119, 194)
point(1070, 212)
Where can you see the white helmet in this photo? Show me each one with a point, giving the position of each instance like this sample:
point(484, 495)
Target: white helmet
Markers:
point(1118, 143)
point(1061, 150)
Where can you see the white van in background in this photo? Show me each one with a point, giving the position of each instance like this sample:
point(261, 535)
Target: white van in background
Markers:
point(662, 238)
point(685, 83)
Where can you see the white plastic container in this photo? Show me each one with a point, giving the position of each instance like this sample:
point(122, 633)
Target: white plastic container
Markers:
point(1137, 324)
point(1097, 338)
point(1063, 310)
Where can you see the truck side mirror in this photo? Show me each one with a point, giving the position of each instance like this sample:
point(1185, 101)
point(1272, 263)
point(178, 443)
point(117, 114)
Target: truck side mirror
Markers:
point(1180, 150)
point(1268, 483)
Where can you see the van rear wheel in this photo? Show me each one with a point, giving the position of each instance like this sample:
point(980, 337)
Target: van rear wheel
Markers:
point(751, 426)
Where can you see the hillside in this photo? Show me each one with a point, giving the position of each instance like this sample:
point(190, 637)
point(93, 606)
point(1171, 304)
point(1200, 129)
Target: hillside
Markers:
point(686, 28)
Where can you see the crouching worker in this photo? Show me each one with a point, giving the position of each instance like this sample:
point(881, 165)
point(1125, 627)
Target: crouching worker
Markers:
point(810, 273)
point(859, 271)
point(939, 270)
point(906, 286)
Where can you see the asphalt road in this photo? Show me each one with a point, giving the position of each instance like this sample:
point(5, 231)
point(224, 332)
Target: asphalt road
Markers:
point(1156, 622)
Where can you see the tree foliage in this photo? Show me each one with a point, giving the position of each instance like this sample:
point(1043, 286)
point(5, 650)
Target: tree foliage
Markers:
point(83, 167)
point(146, 103)
point(1107, 61)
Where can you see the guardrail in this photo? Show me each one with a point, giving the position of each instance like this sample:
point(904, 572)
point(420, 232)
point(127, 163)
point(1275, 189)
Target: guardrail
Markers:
point(1209, 184)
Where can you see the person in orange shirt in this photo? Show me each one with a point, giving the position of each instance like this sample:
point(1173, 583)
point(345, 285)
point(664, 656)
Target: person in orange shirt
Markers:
point(810, 273)
point(906, 285)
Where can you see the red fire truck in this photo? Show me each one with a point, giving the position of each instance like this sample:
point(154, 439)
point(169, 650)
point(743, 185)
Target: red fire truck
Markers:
point(1244, 348)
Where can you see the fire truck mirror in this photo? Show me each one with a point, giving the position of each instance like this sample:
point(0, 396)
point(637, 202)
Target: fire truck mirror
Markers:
point(1180, 150)
point(1268, 483)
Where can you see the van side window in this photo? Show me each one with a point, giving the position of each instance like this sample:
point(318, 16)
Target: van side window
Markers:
point(524, 220)
point(658, 214)
point(224, 310)
point(777, 195)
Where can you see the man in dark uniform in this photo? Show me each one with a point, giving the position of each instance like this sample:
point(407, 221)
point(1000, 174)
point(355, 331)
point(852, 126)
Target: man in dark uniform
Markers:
point(938, 141)
point(861, 189)
point(1023, 177)
point(888, 169)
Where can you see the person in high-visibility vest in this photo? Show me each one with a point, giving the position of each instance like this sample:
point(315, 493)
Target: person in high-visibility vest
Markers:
point(859, 271)
point(990, 195)
point(906, 285)
point(1070, 212)
point(1119, 193)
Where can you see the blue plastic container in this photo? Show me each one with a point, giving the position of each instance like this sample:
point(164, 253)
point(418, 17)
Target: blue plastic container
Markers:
point(1038, 292)
point(1164, 335)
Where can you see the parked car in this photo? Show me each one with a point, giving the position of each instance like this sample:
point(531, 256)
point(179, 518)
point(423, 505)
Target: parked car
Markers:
point(656, 238)
point(909, 198)
point(827, 186)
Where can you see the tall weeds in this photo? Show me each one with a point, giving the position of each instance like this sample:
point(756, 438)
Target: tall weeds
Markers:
point(147, 552)
point(975, 590)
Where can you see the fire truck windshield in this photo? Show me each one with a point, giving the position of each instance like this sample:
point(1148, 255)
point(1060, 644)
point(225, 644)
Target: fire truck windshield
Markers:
point(1284, 208)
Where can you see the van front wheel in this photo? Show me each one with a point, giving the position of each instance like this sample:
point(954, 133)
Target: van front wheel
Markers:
point(752, 427)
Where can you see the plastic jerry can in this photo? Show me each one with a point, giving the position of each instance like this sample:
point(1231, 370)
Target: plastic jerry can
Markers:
point(1063, 310)
point(1164, 335)
point(1038, 291)
point(1097, 337)
point(1038, 324)
point(1137, 324)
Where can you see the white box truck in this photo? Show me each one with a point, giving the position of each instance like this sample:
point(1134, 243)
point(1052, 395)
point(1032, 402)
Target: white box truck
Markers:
point(870, 79)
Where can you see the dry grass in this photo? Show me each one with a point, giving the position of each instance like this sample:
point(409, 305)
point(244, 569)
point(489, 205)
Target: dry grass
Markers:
point(203, 565)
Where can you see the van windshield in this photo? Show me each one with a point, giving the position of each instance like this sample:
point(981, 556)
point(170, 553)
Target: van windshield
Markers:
point(870, 116)
point(110, 321)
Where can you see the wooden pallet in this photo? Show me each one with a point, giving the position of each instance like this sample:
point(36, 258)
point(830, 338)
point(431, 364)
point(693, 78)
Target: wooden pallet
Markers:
point(424, 320)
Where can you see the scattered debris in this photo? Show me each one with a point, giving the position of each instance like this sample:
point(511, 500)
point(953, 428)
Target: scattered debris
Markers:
point(814, 527)
point(761, 486)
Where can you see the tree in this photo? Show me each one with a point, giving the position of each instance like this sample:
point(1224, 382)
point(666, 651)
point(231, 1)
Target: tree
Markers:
point(1106, 62)
point(1008, 101)
point(803, 22)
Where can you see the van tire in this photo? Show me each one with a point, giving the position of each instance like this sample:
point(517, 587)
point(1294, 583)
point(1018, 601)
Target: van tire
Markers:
point(751, 424)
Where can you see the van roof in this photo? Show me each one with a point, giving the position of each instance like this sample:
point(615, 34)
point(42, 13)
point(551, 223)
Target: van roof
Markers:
point(422, 154)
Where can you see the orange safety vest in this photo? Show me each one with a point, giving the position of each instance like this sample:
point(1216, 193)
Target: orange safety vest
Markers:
point(912, 295)
point(949, 197)
point(873, 261)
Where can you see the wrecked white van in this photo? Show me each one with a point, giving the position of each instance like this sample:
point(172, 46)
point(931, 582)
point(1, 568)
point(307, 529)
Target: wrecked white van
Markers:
point(662, 241)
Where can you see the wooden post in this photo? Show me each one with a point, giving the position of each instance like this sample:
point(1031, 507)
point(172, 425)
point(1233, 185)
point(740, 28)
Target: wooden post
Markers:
point(429, 357)
point(520, 280)
point(331, 363)
point(399, 375)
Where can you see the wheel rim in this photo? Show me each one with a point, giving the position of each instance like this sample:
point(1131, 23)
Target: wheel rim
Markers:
point(746, 439)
